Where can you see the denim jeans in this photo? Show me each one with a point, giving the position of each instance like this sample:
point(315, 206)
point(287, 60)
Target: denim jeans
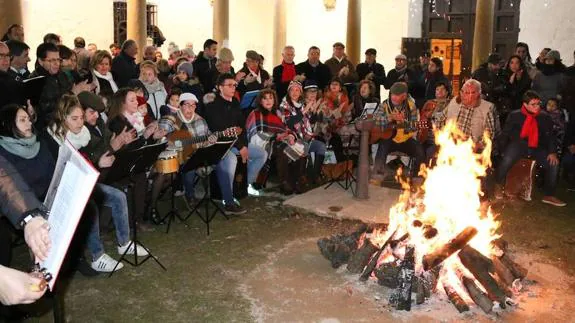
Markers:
point(410, 147)
point(568, 163)
point(189, 179)
point(225, 171)
point(256, 160)
point(516, 151)
point(117, 201)
point(317, 147)
point(93, 241)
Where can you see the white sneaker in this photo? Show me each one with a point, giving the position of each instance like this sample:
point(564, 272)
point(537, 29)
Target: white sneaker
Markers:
point(141, 251)
point(253, 192)
point(178, 193)
point(106, 264)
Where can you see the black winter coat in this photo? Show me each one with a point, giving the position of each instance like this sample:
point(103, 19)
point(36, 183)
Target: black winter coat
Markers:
point(205, 68)
point(124, 69)
point(320, 73)
point(54, 87)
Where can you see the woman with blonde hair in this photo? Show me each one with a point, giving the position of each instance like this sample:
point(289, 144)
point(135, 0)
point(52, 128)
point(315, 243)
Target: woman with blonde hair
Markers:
point(100, 67)
point(156, 90)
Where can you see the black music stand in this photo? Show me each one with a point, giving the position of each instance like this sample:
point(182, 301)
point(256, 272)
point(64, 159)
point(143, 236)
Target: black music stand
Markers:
point(129, 163)
point(173, 213)
point(203, 158)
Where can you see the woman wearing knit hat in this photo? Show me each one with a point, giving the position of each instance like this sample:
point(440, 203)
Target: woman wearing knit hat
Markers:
point(186, 82)
point(292, 113)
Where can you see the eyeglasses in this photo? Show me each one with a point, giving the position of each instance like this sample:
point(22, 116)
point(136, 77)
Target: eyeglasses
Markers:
point(231, 85)
point(5, 56)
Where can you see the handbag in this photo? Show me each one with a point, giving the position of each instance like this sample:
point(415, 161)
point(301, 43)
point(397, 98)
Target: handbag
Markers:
point(296, 151)
point(262, 139)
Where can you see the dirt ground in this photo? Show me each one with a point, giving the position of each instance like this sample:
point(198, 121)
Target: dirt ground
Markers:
point(265, 267)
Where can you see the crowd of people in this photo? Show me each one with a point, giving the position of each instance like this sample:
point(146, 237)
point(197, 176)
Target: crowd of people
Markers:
point(103, 102)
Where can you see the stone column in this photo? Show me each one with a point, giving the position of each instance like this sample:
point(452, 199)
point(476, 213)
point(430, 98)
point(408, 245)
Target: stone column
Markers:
point(483, 33)
point(11, 14)
point(136, 24)
point(221, 22)
point(279, 30)
point(353, 39)
point(362, 191)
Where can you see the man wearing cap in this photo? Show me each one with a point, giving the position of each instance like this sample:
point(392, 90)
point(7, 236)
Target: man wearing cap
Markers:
point(101, 138)
point(100, 151)
point(339, 65)
point(550, 76)
point(372, 71)
point(252, 76)
point(493, 82)
point(401, 73)
point(398, 111)
point(187, 119)
point(313, 69)
point(284, 73)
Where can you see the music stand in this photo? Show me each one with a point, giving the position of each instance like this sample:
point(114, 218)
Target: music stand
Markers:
point(129, 163)
point(203, 158)
point(173, 213)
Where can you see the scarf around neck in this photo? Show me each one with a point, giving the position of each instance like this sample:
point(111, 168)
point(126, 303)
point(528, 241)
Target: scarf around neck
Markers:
point(288, 72)
point(137, 121)
point(26, 148)
point(155, 86)
point(530, 128)
point(79, 140)
point(108, 77)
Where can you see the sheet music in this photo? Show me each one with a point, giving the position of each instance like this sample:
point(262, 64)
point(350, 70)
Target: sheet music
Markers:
point(71, 186)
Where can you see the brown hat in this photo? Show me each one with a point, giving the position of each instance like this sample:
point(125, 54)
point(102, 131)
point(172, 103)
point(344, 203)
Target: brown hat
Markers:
point(398, 88)
point(339, 44)
point(91, 100)
point(252, 54)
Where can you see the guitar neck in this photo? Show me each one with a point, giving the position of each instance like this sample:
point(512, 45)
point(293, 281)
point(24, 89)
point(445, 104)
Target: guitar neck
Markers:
point(200, 139)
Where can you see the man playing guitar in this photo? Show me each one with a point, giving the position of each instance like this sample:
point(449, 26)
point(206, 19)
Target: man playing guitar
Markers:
point(187, 120)
point(398, 112)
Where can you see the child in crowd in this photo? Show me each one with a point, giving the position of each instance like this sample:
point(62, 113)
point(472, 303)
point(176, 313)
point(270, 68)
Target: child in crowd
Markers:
point(172, 103)
point(558, 117)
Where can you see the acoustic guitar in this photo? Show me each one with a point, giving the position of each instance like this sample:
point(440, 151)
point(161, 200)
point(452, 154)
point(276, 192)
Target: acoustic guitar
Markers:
point(190, 143)
point(394, 130)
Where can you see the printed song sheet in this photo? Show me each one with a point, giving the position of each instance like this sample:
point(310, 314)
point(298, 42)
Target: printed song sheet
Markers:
point(71, 186)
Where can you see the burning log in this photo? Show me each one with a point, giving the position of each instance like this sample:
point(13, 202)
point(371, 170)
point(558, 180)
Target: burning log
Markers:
point(373, 262)
point(518, 271)
point(455, 298)
point(478, 296)
point(503, 273)
point(429, 232)
point(438, 256)
point(420, 289)
point(338, 248)
point(393, 244)
point(401, 298)
point(360, 258)
point(480, 266)
point(387, 274)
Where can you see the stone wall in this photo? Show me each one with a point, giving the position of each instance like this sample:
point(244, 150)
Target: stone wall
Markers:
point(548, 23)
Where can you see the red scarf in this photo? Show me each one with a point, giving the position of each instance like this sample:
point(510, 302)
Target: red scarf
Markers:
point(288, 72)
point(530, 129)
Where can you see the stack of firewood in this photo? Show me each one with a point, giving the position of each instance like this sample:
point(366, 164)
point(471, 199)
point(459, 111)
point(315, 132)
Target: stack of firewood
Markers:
point(487, 281)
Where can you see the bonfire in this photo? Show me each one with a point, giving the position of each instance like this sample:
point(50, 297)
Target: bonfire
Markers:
point(440, 236)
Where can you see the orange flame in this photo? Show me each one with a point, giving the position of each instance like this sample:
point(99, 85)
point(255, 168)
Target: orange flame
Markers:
point(449, 201)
